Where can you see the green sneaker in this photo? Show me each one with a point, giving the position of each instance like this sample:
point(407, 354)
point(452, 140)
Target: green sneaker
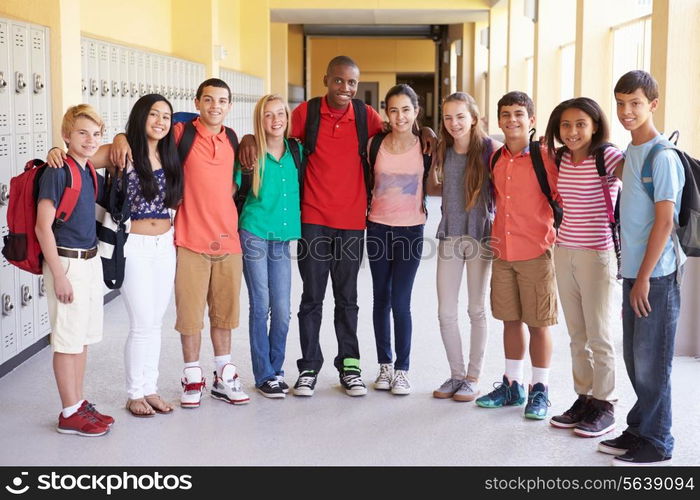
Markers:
point(351, 379)
point(504, 394)
point(537, 402)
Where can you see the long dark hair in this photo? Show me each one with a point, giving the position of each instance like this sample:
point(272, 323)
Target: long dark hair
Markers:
point(138, 141)
point(588, 106)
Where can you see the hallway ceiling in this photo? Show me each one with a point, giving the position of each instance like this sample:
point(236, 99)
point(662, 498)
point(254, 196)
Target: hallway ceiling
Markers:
point(376, 16)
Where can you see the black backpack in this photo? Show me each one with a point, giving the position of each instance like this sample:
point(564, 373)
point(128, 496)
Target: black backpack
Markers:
point(541, 173)
point(313, 121)
point(374, 150)
point(247, 176)
point(688, 229)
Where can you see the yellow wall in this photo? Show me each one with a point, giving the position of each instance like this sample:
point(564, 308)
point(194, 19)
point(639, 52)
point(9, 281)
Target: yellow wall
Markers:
point(520, 45)
point(230, 32)
point(279, 59)
point(498, 57)
point(373, 56)
point(379, 4)
point(255, 39)
point(295, 54)
point(135, 22)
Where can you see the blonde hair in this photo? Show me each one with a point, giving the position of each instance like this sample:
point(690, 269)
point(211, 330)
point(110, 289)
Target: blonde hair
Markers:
point(260, 139)
point(476, 173)
point(80, 111)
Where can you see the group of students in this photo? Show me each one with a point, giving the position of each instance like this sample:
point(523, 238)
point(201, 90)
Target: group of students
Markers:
point(357, 172)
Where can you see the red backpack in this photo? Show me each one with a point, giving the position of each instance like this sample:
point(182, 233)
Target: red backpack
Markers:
point(21, 246)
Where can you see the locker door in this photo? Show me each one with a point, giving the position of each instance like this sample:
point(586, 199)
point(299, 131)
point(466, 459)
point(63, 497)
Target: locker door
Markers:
point(8, 326)
point(84, 76)
point(105, 94)
point(25, 304)
point(182, 92)
point(156, 75)
point(5, 79)
point(42, 325)
point(141, 73)
point(21, 78)
point(39, 81)
point(115, 92)
point(148, 67)
point(124, 89)
point(133, 78)
point(6, 172)
point(93, 72)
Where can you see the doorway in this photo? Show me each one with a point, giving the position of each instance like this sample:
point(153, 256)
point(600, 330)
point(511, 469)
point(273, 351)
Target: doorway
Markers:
point(368, 92)
point(424, 85)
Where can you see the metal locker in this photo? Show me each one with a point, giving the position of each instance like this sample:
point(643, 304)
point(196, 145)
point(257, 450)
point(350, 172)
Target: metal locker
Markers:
point(39, 82)
point(124, 87)
point(155, 74)
point(105, 92)
point(24, 309)
point(148, 74)
point(5, 78)
point(6, 172)
point(84, 78)
point(182, 90)
point(23, 152)
point(115, 115)
point(21, 85)
point(141, 73)
point(8, 318)
point(133, 77)
point(93, 74)
point(42, 325)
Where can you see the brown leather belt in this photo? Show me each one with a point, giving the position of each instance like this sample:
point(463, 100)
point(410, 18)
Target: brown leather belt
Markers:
point(77, 254)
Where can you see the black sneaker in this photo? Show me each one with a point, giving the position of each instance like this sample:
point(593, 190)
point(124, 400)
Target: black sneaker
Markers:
point(599, 420)
point(620, 445)
point(271, 389)
point(571, 417)
point(351, 379)
point(305, 383)
point(642, 453)
point(282, 383)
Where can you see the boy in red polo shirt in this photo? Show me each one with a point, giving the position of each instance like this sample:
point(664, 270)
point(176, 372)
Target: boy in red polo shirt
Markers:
point(523, 288)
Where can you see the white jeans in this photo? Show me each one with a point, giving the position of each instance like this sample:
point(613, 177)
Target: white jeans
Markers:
point(148, 286)
point(454, 254)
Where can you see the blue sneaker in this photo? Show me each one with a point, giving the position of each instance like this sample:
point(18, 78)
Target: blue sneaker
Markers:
point(504, 394)
point(537, 402)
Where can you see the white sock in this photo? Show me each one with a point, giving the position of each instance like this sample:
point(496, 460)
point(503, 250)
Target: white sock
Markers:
point(221, 361)
point(193, 372)
point(540, 375)
point(67, 412)
point(515, 369)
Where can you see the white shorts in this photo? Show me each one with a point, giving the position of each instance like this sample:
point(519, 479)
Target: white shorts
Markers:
point(79, 323)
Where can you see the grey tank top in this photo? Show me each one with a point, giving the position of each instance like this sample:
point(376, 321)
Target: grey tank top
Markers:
point(456, 221)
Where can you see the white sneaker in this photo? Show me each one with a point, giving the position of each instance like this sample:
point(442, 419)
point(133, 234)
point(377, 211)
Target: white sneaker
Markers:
point(192, 386)
point(400, 384)
point(227, 387)
point(386, 373)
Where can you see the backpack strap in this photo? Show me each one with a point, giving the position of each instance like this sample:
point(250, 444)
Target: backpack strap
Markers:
point(313, 121)
point(541, 174)
point(74, 184)
point(647, 166)
point(184, 146)
point(232, 138)
point(360, 109)
point(495, 157)
point(374, 147)
point(295, 150)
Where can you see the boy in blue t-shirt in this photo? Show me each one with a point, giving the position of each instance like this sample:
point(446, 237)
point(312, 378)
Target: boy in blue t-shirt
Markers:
point(651, 262)
point(73, 273)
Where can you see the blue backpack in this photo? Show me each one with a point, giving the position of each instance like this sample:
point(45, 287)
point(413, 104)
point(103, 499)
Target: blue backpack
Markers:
point(688, 228)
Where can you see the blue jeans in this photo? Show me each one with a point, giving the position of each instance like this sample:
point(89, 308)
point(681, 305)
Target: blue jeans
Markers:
point(268, 275)
point(394, 254)
point(648, 353)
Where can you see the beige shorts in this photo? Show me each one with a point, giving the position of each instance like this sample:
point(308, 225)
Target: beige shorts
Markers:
point(201, 280)
point(79, 323)
point(525, 291)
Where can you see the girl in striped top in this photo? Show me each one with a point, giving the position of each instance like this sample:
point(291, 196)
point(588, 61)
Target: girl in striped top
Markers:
point(585, 261)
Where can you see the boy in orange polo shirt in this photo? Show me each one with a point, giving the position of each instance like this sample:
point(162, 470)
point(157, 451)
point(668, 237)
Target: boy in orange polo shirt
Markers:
point(523, 288)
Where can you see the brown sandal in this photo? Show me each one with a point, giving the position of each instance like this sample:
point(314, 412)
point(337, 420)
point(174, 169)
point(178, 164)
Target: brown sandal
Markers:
point(158, 404)
point(140, 408)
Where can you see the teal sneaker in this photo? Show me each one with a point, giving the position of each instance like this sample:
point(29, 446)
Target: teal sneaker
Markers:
point(537, 402)
point(503, 395)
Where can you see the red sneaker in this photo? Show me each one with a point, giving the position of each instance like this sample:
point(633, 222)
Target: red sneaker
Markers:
point(105, 419)
point(82, 423)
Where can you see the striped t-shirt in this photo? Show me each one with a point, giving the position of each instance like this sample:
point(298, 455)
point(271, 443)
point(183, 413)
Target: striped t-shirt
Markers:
point(586, 223)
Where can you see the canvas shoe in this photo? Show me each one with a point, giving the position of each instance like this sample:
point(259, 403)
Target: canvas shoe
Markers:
point(282, 383)
point(351, 379)
point(599, 420)
point(305, 383)
point(227, 387)
point(81, 423)
point(537, 402)
point(467, 391)
point(620, 445)
point(448, 388)
point(105, 419)
point(271, 389)
point(573, 416)
point(192, 386)
point(642, 453)
point(504, 394)
point(386, 374)
point(400, 384)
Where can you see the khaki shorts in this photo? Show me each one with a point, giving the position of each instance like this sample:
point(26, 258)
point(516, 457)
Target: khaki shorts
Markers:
point(75, 325)
point(203, 279)
point(525, 291)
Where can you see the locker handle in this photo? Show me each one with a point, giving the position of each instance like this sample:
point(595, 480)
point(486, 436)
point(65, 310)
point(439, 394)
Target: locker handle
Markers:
point(134, 90)
point(42, 286)
point(125, 89)
point(21, 84)
point(83, 84)
point(4, 194)
point(38, 83)
point(115, 88)
point(143, 89)
point(93, 86)
point(7, 305)
point(26, 295)
point(3, 82)
point(105, 88)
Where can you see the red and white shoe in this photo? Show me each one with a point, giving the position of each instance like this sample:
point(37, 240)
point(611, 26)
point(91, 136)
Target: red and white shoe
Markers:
point(192, 387)
point(227, 387)
point(90, 408)
point(82, 423)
